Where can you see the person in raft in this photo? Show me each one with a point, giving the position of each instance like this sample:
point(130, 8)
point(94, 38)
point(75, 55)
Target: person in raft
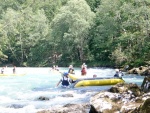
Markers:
point(65, 82)
point(118, 74)
point(83, 69)
point(71, 71)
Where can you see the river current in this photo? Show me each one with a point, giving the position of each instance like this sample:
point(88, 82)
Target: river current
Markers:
point(20, 93)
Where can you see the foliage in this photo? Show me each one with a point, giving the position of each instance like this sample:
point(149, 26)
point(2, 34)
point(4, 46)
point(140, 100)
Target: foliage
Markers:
point(70, 28)
point(21, 31)
point(63, 32)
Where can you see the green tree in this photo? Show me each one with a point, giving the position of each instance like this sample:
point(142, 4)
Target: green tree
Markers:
point(105, 30)
point(21, 30)
point(93, 4)
point(121, 26)
point(70, 28)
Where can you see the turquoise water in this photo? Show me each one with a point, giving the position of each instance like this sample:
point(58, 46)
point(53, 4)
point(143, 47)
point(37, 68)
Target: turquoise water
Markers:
point(19, 94)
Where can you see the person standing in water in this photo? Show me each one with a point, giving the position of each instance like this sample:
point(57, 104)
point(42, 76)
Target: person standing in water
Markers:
point(2, 70)
point(14, 70)
point(71, 70)
point(118, 74)
point(64, 80)
point(83, 69)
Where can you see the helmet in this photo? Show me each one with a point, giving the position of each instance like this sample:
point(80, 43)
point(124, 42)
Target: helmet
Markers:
point(65, 73)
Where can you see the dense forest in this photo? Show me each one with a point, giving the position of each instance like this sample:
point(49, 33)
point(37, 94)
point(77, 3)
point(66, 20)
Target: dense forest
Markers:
point(63, 32)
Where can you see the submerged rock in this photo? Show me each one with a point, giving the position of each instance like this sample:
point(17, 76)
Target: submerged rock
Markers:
point(42, 98)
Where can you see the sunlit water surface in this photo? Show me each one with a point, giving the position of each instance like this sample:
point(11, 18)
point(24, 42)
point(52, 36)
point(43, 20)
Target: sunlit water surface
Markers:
point(20, 93)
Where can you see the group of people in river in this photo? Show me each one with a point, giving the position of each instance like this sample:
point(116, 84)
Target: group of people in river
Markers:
point(3, 70)
point(66, 81)
point(118, 74)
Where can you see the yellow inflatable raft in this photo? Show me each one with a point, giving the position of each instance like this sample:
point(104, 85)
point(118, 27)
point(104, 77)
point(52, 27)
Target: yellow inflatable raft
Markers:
point(76, 77)
point(7, 74)
point(81, 82)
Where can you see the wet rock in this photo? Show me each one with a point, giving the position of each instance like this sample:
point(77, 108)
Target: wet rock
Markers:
point(42, 98)
point(69, 108)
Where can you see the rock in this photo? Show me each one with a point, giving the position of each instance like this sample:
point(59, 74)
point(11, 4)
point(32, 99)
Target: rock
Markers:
point(119, 98)
point(126, 88)
point(43, 98)
point(144, 108)
point(104, 102)
point(69, 108)
point(144, 71)
point(138, 100)
point(92, 110)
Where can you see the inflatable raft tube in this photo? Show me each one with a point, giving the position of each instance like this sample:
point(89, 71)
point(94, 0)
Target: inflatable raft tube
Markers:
point(97, 82)
point(12, 74)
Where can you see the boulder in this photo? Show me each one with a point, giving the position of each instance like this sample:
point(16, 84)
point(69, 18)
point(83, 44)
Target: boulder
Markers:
point(144, 71)
point(119, 98)
point(126, 88)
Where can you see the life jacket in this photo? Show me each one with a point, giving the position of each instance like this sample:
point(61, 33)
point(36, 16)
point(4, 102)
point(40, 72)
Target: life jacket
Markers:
point(65, 82)
point(116, 75)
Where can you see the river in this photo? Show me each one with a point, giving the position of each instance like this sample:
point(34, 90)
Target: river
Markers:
point(20, 93)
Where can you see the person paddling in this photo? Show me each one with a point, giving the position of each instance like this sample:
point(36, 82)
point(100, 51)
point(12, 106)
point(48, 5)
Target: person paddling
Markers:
point(64, 80)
